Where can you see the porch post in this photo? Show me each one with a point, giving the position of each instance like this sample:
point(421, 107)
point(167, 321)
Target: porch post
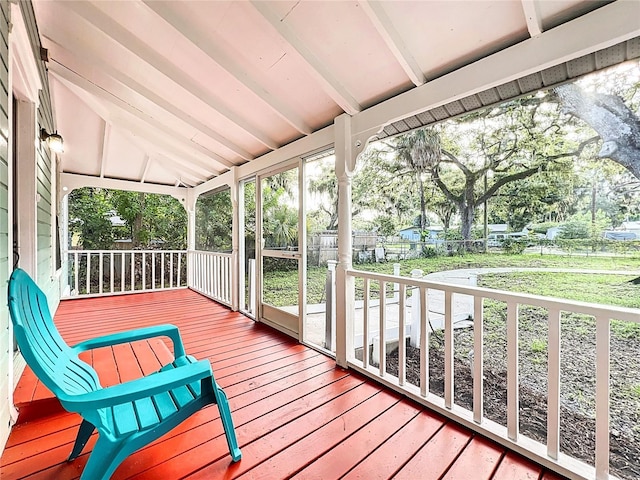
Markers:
point(190, 206)
point(345, 286)
point(235, 240)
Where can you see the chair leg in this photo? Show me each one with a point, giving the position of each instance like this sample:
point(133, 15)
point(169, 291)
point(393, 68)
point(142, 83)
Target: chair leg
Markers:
point(84, 432)
point(104, 459)
point(227, 422)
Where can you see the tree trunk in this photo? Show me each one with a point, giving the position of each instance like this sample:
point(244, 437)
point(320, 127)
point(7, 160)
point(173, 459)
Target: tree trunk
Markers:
point(137, 223)
point(423, 209)
point(617, 125)
point(467, 212)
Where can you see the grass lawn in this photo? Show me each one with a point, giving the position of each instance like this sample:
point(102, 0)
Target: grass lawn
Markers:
point(282, 287)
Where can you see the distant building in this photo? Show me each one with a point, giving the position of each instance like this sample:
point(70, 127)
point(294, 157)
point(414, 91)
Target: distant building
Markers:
point(497, 228)
point(410, 233)
point(619, 235)
point(413, 233)
point(633, 227)
point(553, 232)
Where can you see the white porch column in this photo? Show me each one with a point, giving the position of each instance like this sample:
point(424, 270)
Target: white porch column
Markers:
point(65, 287)
point(235, 240)
point(345, 287)
point(190, 206)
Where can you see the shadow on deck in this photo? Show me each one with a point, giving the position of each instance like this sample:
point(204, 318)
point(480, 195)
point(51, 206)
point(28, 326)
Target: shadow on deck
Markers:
point(296, 414)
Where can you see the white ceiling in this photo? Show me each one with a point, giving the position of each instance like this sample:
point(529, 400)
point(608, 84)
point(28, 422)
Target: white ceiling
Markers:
point(177, 92)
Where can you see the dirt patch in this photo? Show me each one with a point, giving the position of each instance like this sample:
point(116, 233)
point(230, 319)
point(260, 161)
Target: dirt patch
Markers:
point(577, 417)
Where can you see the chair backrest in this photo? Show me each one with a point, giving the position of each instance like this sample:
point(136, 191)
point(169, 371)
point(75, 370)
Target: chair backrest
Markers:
point(50, 358)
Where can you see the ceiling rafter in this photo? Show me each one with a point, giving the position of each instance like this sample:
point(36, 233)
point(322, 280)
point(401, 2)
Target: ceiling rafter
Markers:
point(141, 137)
point(532, 15)
point(215, 53)
point(71, 181)
point(315, 67)
point(130, 42)
point(181, 174)
point(385, 28)
point(145, 169)
point(72, 77)
point(150, 96)
point(160, 145)
point(106, 132)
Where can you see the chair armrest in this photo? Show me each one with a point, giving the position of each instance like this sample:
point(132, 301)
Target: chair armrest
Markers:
point(137, 389)
point(128, 336)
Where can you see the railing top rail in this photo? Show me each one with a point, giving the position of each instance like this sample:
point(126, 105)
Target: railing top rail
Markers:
point(592, 309)
point(125, 251)
point(218, 254)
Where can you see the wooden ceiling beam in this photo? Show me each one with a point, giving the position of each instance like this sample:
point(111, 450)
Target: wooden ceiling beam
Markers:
point(532, 15)
point(196, 150)
point(216, 54)
point(72, 181)
point(145, 169)
point(140, 136)
point(120, 35)
point(104, 151)
point(315, 67)
point(84, 59)
point(387, 31)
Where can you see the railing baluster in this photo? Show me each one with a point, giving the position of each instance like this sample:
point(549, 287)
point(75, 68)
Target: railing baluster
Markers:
point(382, 305)
point(365, 319)
point(553, 384)
point(602, 396)
point(153, 270)
point(214, 279)
point(179, 272)
point(478, 359)
point(513, 396)
point(170, 269)
point(218, 281)
point(226, 278)
point(133, 271)
point(144, 271)
point(424, 343)
point(402, 342)
point(213, 274)
point(76, 271)
point(122, 271)
point(208, 273)
point(111, 269)
point(162, 255)
point(448, 350)
point(100, 271)
point(88, 272)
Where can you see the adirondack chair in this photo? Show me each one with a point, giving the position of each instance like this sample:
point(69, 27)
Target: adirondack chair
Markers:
point(127, 416)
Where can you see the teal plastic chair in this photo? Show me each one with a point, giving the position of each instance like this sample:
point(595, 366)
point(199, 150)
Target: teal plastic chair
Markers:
point(127, 416)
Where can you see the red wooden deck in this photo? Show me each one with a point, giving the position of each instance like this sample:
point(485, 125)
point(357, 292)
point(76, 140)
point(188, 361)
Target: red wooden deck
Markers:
point(296, 414)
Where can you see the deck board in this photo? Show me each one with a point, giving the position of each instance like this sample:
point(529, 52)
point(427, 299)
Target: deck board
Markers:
point(296, 413)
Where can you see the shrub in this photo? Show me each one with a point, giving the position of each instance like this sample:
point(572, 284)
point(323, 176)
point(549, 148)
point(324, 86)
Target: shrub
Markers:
point(513, 246)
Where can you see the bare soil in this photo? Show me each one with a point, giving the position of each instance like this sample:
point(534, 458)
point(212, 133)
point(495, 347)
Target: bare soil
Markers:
point(577, 417)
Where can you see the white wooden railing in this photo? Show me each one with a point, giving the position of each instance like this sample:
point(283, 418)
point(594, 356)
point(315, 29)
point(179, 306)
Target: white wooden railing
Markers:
point(210, 275)
point(110, 272)
point(549, 454)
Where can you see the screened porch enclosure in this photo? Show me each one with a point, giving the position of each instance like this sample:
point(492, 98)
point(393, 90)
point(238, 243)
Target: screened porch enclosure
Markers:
point(222, 101)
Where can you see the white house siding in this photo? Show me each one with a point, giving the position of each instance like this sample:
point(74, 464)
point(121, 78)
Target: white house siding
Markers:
point(45, 227)
point(6, 350)
point(46, 173)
